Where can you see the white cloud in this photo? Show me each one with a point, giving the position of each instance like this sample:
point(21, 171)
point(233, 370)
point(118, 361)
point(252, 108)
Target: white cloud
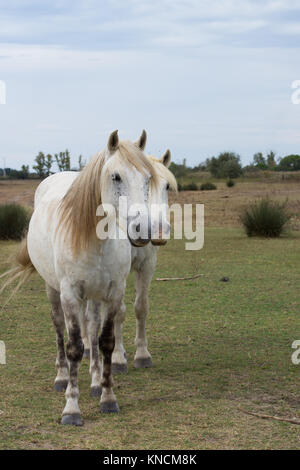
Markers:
point(49, 57)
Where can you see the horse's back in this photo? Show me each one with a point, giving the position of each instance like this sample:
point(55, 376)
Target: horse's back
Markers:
point(54, 186)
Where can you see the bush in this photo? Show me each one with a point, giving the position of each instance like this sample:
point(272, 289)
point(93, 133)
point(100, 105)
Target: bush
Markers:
point(226, 165)
point(265, 218)
point(14, 220)
point(190, 187)
point(207, 186)
point(289, 163)
point(230, 183)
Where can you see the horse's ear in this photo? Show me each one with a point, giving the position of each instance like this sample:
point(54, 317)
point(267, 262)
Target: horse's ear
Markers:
point(141, 142)
point(113, 142)
point(166, 158)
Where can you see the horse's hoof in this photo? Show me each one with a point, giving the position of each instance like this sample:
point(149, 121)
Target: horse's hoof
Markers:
point(86, 354)
point(96, 392)
point(109, 407)
point(143, 362)
point(73, 420)
point(60, 385)
point(119, 368)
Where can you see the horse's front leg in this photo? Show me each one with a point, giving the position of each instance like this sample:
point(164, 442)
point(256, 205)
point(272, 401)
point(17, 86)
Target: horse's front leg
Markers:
point(108, 402)
point(119, 360)
point(92, 322)
point(142, 356)
point(84, 334)
point(71, 305)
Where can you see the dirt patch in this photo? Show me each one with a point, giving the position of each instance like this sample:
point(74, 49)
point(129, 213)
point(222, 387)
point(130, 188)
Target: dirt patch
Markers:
point(18, 191)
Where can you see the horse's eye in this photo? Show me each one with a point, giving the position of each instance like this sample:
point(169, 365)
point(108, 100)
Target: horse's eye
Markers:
point(168, 186)
point(116, 177)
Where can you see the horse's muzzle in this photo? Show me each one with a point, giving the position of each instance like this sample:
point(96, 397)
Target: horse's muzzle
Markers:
point(133, 231)
point(138, 243)
point(159, 242)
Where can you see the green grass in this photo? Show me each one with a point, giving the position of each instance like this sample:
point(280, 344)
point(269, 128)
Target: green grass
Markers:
point(217, 347)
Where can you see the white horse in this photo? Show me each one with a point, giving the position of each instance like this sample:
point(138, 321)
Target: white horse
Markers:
point(78, 268)
point(143, 262)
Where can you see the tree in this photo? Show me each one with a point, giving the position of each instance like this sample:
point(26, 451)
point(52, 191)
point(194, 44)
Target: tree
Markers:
point(25, 171)
point(48, 164)
point(178, 170)
point(81, 162)
point(289, 163)
point(271, 160)
point(63, 160)
point(259, 161)
point(226, 165)
point(40, 165)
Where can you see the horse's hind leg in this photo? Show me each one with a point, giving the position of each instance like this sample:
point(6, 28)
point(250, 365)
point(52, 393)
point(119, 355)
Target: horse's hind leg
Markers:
point(119, 361)
point(142, 356)
point(57, 315)
point(72, 305)
point(92, 321)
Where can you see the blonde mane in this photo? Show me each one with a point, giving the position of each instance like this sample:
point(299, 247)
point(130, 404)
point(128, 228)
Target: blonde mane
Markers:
point(163, 172)
point(77, 210)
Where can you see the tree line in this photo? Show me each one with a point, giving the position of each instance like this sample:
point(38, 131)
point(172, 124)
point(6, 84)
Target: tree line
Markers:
point(225, 165)
point(228, 165)
point(44, 166)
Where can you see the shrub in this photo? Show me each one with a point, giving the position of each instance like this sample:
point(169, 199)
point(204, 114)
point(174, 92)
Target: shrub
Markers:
point(190, 187)
point(207, 186)
point(14, 220)
point(230, 183)
point(289, 163)
point(226, 165)
point(265, 218)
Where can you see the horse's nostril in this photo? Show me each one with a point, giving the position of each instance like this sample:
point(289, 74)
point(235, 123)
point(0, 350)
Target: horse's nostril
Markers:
point(138, 228)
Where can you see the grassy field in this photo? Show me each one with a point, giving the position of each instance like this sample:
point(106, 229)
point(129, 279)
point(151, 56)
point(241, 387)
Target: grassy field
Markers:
point(219, 349)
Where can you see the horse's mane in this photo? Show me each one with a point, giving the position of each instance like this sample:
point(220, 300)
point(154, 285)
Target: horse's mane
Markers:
point(77, 210)
point(164, 172)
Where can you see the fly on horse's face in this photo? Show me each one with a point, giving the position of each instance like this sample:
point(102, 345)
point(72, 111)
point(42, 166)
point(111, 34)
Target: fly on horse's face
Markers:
point(127, 189)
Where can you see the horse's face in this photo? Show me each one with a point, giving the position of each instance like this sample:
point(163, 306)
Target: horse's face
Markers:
point(160, 226)
point(127, 190)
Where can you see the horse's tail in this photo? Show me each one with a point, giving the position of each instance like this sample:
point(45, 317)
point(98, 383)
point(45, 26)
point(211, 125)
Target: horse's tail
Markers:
point(21, 272)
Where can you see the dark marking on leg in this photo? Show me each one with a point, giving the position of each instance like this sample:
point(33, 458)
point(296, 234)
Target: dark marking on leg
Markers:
point(60, 385)
point(106, 345)
point(75, 347)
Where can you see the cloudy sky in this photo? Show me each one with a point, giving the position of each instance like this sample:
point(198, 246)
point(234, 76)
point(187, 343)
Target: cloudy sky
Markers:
point(201, 76)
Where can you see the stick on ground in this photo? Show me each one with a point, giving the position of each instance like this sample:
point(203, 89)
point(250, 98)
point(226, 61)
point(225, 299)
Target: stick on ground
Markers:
point(276, 418)
point(178, 278)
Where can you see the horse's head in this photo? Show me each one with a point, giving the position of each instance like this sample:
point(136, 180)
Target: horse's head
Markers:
point(160, 226)
point(127, 176)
